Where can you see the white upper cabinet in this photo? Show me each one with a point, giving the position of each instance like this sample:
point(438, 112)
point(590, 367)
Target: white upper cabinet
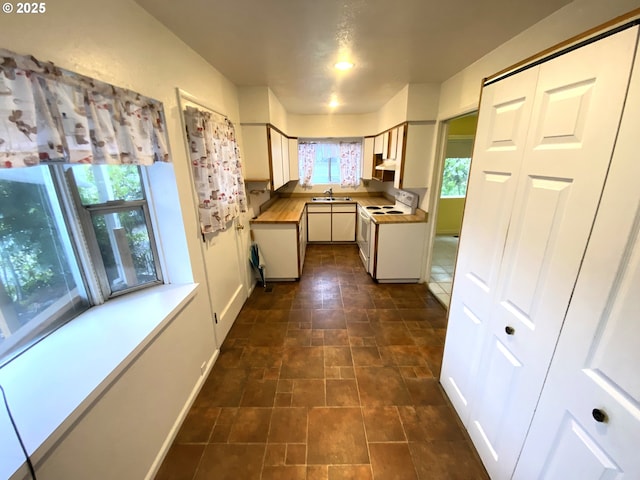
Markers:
point(367, 158)
point(543, 148)
point(416, 141)
point(256, 152)
point(277, 170)
point(378, 144)
point(393, 144)
point(294, 173)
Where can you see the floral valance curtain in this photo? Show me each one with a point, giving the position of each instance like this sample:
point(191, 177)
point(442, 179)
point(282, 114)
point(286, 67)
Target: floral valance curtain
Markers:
point(217, 170)
point(50, 115)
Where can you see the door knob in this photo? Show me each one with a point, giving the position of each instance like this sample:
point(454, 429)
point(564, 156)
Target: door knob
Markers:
point(509, 330)
point(598, 415)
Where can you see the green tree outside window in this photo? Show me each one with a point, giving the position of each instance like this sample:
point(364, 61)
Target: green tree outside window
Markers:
point(455, 177)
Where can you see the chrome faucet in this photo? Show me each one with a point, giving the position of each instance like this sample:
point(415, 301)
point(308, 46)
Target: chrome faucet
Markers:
point(329, 192)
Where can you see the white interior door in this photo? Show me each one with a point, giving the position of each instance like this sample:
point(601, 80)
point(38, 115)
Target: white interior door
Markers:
point(226, 273)
point(576, 114)
point(499, 148)
point(595, 365)
point(226, 256)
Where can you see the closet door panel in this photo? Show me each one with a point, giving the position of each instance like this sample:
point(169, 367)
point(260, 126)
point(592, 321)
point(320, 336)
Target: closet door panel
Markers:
point(577, 107)
point(596, 359)
point(504, 115)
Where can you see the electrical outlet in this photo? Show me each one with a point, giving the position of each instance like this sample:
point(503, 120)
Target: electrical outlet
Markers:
point(203, 368)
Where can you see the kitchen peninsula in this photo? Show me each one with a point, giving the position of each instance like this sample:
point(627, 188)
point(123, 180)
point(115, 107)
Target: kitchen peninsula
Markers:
point(281, 234)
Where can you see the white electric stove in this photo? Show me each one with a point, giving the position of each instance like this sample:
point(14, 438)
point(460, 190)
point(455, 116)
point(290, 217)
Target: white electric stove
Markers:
point(406, 204)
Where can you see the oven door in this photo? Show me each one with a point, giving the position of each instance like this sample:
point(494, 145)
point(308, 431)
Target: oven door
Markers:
point(364, 227)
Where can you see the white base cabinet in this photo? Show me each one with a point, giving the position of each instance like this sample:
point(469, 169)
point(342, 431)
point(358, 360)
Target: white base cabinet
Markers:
point(279, 249)
point(542, 152)
point(398, 252)
point(331, 222)
point(319, 223)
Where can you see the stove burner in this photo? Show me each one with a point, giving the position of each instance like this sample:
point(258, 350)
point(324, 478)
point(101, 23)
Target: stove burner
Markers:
point(373, 207)
point(394, 212)
point(378, 213)
point(388, 207)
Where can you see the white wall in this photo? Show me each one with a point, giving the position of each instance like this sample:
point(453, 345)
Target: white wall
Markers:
point(422, 101)
point(461, 93)
point(120, 435)
point(277, 113)
point(254, 104)
point(394, 111)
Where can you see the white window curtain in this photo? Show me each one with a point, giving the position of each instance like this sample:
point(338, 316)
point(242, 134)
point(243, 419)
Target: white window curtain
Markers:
point(50, 115)
point(306, 161)
point(217, 170)
point(350, 153)
point(329, 162)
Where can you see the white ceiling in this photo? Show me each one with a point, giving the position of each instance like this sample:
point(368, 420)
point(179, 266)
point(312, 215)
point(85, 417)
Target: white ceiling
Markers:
point(292, 45)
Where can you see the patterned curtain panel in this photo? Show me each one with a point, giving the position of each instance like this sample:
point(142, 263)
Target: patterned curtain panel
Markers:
point(350, 153)
point(306, 159)
point(49, 115)
point(217, 170)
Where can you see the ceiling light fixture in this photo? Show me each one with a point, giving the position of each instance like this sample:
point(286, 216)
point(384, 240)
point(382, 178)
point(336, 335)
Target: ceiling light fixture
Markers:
point(334, 103)
point(344, 65)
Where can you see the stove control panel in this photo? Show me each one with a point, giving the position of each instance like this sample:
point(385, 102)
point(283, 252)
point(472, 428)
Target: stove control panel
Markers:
point(409, 199)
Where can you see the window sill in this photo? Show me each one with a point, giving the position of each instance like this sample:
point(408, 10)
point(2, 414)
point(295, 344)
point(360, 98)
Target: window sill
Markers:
point(50, 385)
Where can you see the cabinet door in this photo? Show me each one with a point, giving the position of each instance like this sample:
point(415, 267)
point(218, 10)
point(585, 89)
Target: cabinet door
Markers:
point(414, 168)
point(393, 143)
point(302, 239)
point(255, 152)
point(319, 223)
point(294, 169)
point(385, 145)
point(399, 157)
point(277, 172)
point(378, 144)
point(367, 158)
point(576, 112)
point(596, 359)
point(286, 169)
point(343, 227)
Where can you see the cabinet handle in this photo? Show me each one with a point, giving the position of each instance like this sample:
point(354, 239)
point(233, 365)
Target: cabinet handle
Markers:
point(598, 415)
point(240, 227)
point(509, 330)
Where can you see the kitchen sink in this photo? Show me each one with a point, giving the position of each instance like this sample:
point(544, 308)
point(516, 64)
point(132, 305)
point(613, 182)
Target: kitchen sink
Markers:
point(330, 199)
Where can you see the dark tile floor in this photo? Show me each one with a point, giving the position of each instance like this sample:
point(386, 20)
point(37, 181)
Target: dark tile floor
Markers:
point(332, 377)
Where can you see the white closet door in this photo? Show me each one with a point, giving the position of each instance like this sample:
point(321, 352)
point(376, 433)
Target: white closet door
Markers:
point(576, 114)
point(499, 147)
point(596, 360)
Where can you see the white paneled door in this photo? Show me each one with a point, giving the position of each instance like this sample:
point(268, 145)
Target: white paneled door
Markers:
point(499, 149)
point(525, 248)
point(587, 424)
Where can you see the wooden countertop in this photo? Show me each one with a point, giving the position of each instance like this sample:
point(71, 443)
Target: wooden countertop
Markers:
point(289, 210)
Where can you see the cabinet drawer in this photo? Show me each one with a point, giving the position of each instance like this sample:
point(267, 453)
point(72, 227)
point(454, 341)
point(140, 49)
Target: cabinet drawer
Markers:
point(344, 208)
point(325, 208)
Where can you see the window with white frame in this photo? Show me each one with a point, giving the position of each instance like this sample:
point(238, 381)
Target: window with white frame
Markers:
point(75, 227)
point(70, 237)
point(329, 161)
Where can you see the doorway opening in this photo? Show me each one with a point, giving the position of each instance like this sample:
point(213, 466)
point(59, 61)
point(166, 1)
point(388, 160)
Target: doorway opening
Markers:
point(454, 176)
